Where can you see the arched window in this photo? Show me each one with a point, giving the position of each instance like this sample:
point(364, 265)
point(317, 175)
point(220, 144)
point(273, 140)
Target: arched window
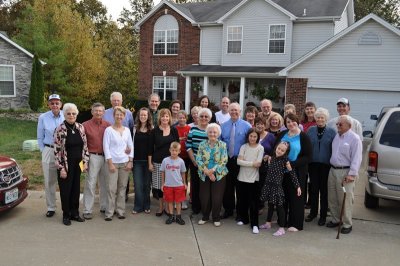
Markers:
point(166, 35)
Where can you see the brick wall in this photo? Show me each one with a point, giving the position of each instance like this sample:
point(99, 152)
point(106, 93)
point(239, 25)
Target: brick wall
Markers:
point(296, 92)
point(153, 65)
point(9, 55)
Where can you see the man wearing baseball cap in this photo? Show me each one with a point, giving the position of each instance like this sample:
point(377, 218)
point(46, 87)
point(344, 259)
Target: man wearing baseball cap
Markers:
point(343, 108)
point(48, 122)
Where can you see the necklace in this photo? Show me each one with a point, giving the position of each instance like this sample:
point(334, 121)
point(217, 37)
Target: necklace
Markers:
point(72, 129)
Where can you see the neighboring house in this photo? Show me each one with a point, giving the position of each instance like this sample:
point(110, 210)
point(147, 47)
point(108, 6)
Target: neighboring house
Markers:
point(15, 74)
point(361, 63)
point(229, 47)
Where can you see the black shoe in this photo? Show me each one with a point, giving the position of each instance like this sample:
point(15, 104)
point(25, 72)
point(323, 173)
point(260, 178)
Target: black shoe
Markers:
point(170, 219)
point(121, 217)
point(108, 219)
point(50, 214)
point(158, 214)
point(309, 218)
point(321, 221)
point(179, 220)
point(103, 211)
point(226, 215)
point(347, 230)
point(77, 219)
point(66, 221)
point(332, 224)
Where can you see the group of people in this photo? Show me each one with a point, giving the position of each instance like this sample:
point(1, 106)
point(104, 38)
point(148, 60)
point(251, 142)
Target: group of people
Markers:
point(229, 162)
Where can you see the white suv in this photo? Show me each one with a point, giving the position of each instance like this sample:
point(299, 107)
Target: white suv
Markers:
point(384, 160)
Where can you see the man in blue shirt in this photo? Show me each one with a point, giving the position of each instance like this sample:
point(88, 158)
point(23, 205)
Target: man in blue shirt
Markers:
point(116, 100)
point(48, 122)
point(234, 135)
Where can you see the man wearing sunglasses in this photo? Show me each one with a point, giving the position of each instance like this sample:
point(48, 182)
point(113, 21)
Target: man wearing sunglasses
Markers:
point(48, 122)
point(345, 163)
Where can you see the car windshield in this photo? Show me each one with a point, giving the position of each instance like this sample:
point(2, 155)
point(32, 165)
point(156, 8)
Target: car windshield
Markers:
point(391, 132)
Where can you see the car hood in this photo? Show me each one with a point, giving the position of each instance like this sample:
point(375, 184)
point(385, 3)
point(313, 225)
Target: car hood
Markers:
point(6, 162)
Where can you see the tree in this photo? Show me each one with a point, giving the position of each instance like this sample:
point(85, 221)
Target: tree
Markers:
point(386, 9)
point(139, 9)
point(37, 83)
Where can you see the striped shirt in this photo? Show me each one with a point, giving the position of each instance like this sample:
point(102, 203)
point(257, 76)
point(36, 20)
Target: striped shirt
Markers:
point(195, 136)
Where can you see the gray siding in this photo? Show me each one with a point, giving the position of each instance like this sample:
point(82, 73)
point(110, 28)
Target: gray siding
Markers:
point(210, 45)
point(348, 65)
point(308, 35)
point(9, 55)
point(255, 17)
point(342, 23)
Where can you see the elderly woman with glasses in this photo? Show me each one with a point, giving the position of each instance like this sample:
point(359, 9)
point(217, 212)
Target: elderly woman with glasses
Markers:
point(321, 138)
point(72, 156)
point(196, 135)
point(211, 159)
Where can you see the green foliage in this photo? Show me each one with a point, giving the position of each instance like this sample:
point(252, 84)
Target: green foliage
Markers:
point(139, 8)
point(261, 92)
point(389, 10)
point(37, 84)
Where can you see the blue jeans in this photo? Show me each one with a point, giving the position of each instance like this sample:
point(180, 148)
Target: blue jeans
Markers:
point(141, 180)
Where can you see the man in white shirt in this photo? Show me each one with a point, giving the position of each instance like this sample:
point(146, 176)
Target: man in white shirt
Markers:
point(343, 108)
point(223, 115)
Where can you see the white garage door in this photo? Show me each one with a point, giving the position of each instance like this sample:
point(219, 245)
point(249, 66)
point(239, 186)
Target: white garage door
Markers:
point(362, 103)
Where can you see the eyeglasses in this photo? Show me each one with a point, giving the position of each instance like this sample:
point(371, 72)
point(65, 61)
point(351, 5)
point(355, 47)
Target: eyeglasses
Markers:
point(74, 114)
point(54, 103)
point(339, 124)
point(203, 116)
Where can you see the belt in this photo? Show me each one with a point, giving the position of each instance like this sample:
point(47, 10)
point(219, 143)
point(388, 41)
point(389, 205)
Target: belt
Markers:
point(48, 145)
point(97, 153)
point(340, 167)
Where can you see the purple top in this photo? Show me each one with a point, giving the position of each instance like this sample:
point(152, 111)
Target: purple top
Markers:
point(268, 143)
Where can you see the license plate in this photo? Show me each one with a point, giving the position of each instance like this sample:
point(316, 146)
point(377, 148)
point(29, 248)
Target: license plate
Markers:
point(11, 195)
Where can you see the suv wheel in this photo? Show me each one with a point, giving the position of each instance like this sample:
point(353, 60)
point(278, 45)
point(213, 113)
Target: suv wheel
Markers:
point(370, 202)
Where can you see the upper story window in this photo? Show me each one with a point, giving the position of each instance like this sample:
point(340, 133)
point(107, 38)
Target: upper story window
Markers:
point(166, 36)
point(235, 37)
point(277, 38)
point(165, 87)
point(7, 80)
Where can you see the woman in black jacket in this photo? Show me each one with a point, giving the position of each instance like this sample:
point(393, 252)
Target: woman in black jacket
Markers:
point(299, 156)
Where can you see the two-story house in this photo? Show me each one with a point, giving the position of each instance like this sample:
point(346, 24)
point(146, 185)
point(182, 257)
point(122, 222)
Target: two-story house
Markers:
point(231, 47)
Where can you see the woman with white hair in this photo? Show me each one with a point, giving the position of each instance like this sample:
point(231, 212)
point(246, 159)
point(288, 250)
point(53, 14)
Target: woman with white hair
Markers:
point(70, 149)
point(211, 159)
point(321, 138)
point(196, 135)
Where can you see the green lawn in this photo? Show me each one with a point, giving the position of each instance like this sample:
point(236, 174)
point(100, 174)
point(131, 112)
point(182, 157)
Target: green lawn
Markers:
point(13, 133)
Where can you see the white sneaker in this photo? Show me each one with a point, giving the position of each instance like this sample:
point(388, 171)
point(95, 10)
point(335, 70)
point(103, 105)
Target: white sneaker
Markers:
point(217, 224)
point(184, 205)
point(255, 230)
point(201, 222)
point(240, 223)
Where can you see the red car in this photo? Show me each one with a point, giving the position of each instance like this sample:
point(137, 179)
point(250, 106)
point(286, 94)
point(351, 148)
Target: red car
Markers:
point(13, 184)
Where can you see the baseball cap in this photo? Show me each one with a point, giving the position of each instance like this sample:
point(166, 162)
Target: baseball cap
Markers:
point(54, 97)
point(344, 101)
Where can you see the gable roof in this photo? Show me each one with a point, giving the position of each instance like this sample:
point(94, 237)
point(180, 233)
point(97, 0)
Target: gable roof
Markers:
point(212, 12)
point(338, 36)
point(6, 39)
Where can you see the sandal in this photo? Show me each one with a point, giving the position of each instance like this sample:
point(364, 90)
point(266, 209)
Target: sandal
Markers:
point(265, 226)
point(280, 232)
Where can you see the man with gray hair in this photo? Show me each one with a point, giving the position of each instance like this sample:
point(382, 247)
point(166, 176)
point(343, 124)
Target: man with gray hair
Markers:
point(234, 133)
point(97, 170)
point(154, 102)
point(116, 100)
point(345, 163)
point(266, 109)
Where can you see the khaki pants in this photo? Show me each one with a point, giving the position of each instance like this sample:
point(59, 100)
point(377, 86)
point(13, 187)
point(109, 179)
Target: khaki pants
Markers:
point(335, 196)
point(50, 177)
point(117, 182)
point(97, 170)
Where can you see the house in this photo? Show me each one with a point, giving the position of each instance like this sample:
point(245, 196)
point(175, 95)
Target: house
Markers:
point(231, 47)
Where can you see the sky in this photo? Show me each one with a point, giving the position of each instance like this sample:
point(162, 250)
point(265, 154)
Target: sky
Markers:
point(115, 7)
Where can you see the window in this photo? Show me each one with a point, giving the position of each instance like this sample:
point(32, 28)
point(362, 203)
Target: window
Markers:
point(235, 35)
point(7, 80)
point(277, 36)
point(166, 87)
point(166, 41)
point(390, 133)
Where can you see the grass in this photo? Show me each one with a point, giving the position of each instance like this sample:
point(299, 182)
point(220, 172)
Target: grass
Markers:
point(13, 133)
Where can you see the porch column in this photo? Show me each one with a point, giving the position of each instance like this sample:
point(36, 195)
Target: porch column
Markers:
point(205, 85)
point(187, 94)
point(241, 95)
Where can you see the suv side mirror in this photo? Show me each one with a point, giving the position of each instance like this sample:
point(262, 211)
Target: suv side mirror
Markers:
point(367, 134)
point(373, 117)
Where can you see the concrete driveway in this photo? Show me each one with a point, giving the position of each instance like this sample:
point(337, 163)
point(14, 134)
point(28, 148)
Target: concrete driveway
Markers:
point(29, 238)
